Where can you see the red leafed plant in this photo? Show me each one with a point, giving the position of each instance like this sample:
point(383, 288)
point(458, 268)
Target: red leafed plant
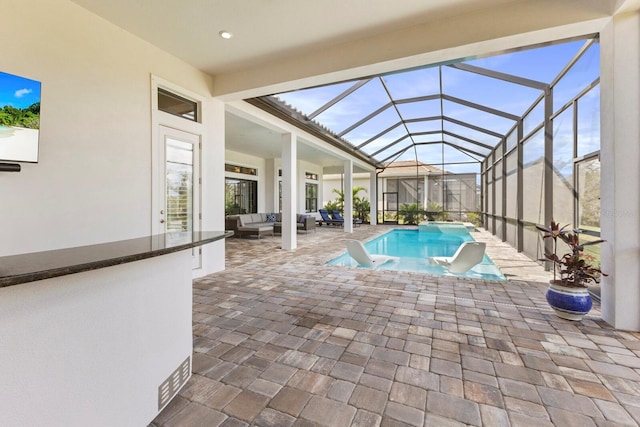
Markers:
point(574, 267)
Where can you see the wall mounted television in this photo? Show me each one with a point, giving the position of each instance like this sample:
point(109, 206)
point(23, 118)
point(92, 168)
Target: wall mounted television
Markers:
point(19, 118)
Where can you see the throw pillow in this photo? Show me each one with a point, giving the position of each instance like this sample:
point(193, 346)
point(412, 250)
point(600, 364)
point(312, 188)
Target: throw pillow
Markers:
point(271, 217)
point(302, 219)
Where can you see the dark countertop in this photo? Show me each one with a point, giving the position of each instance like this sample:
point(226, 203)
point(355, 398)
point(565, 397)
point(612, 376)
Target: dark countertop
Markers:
point(24, 268)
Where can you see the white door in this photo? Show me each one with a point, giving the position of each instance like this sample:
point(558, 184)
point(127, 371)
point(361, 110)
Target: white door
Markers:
point(180, 161)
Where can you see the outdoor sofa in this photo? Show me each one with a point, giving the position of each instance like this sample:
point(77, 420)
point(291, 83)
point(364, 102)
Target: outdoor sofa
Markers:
point(261, 224)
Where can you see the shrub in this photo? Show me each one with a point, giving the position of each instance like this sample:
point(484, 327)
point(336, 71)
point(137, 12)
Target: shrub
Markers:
point(333, 205)
point(474, 218)
point(362, 209)
point(411, 213)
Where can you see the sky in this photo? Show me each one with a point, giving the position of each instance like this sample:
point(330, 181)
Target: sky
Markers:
point(542, 64)
point(18, 91)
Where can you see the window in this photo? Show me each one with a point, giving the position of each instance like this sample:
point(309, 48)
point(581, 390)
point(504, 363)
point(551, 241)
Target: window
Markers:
point(177, 105)
point(241, 196)
point(179, 197)
point(311, 197)
point(240, 169)
point(312, 176)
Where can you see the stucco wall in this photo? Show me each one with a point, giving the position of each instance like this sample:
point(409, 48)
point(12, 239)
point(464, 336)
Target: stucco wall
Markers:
point(93, 179)
point(268, 179)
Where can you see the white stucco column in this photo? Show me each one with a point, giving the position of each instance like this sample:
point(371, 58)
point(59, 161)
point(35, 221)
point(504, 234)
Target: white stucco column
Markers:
point(620, 174)
point(348, 196)
point(213, 175)
point(271, 185)
point(289, 183)
point(373, 198)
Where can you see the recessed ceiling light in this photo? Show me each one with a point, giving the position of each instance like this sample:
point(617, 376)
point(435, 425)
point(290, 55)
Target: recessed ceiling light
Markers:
point(225, 34)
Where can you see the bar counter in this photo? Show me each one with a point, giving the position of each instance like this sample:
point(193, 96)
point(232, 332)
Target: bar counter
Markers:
point(24, 268)
point(98, 334)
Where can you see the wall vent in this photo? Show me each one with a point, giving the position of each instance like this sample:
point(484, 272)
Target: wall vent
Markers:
point(171, 385)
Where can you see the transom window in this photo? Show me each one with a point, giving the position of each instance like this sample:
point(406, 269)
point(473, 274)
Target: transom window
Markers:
point(240, 169)
point(177, 105)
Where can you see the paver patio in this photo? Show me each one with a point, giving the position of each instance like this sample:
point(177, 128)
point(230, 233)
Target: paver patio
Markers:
point(281, 339)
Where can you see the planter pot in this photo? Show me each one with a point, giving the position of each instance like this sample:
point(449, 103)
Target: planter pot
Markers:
point(568, 303)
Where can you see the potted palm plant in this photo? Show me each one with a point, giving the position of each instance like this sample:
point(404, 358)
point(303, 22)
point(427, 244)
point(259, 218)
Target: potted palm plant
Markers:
point(568, 294)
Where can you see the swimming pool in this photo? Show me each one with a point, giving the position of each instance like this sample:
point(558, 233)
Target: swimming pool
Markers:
point(414, 247)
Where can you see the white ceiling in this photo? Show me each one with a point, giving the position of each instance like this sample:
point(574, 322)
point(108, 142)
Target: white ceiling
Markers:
point(248, 137)
point(265, 30)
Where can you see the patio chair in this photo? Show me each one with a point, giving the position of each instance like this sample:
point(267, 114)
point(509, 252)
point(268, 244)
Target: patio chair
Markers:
point(358, 252)
point(338, 217)
point(326, 219)
point(468, 255)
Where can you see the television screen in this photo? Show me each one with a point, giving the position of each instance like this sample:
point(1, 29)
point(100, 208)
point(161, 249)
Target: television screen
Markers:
point(19, 118)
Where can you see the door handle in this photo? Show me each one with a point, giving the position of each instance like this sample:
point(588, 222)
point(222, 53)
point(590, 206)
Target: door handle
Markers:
point(162, 221)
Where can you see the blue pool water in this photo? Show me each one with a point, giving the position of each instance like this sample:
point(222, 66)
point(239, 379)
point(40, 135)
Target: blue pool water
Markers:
point(414, 247)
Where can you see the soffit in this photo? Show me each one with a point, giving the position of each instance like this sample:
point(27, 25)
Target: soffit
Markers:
point(265, 31)
point(245, 136)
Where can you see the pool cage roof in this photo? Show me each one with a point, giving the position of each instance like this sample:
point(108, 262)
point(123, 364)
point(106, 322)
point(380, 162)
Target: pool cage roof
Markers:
point(451, 115)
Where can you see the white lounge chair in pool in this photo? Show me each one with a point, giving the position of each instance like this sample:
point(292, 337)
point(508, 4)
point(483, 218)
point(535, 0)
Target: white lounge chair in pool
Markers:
point(468, 255)
point(358, 252)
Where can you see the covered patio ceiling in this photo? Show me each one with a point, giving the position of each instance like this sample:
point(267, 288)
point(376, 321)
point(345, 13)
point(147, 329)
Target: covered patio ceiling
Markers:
point(444, 114)
point(244, 135)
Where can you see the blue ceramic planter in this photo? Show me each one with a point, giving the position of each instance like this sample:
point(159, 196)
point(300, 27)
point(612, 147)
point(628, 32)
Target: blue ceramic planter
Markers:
point(569, 303)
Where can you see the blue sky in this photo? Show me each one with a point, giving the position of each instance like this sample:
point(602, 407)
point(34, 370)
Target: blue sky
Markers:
point(541, 64)
point(18, 91)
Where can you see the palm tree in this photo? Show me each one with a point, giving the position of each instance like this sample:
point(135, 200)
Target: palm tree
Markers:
point(356, 198)
point(362, 207)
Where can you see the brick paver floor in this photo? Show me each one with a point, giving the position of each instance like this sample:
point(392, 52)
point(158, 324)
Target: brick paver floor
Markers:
point(281, 339)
